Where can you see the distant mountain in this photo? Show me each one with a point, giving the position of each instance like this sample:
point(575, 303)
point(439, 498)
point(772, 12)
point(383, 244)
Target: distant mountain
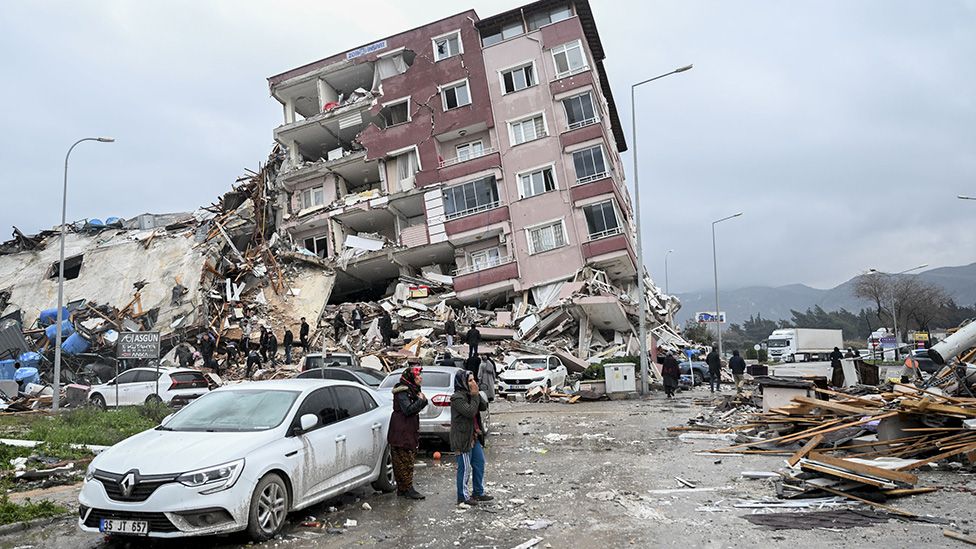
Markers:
point(776, 303)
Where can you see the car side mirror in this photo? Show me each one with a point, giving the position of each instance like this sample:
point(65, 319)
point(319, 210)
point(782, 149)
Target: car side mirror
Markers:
point(306, 423)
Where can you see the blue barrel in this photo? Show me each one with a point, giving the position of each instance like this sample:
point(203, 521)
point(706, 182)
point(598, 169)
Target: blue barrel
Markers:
point(67, 328)
point(113, 220)
point(30, 359)
point(7, 369)
point(27, 375)
point(96, 223)
point(50, 316)
point(75, 344)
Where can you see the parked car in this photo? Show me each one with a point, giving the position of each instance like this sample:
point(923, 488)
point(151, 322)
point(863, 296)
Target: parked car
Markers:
point(315, 360)
point(438, 385)
point(925, 363)
point(138, 386)
point(458, 361)
point(363, 376)
point(240, 458)
point(528, 372)
point(700, 369)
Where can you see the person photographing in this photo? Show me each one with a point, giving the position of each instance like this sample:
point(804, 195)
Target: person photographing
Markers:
point(468, 437)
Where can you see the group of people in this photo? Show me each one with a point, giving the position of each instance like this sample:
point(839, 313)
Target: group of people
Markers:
point(671, 371)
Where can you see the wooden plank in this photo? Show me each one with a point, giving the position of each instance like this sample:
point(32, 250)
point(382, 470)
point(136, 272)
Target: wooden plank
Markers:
point(937, 457)
point(807, 448)
point(931, 407)
point(838, 394)
point(832, 406)
point(903, 492)
point(844, 425)
point(864, 469)
point(808, 465)
point(959, 536)
point(862, 500)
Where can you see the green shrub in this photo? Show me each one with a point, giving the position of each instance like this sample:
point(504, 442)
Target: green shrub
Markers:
point(94, 426)
point(22, 512)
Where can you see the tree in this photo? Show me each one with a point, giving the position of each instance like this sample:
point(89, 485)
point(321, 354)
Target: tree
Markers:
point(914, 302)
point(697, 333)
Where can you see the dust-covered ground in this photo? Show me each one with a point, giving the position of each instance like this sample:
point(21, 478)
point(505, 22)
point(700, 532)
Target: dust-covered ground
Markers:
point(581, 475)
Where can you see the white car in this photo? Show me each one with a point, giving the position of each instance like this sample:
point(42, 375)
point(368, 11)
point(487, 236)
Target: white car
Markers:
point(529, 372)
point(138, 386)
point(240, 458)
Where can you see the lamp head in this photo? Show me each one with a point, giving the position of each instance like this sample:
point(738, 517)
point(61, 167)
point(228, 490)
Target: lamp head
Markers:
point(105, 139)
point(683, 69)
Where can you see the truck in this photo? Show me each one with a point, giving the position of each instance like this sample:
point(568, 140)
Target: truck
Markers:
point(803, 344)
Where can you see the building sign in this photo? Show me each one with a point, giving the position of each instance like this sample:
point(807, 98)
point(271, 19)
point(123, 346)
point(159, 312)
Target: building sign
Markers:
point(359, 52)
point(888, 342)
point(920, 336)
point(137, 345)
point(710, 316)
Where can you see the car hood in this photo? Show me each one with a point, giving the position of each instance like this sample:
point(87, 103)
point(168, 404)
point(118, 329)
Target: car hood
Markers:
point(521, 374)
point(157, 452)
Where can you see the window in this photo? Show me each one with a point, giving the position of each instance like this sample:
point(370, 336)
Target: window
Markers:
point(396, 113)
point(537, 182)
point(448, 45)
point(368, 401)
point(504, 33)
point(349, 403)
point(569, 59)
point(518, 78)
point(407, 165)
point(312, 197)
point(483, 259)
point(318, 245)
point(540, 19)
point(456, 95)
point(546, 237)
point(146, 376)
point(553, 363)
point(475, 196)
point(579, 111)
point(127, 377)
point(468, 151)
point(72, 268)
point(529, 129)
point(590, 165)
point(319, 403)
point(601, 219)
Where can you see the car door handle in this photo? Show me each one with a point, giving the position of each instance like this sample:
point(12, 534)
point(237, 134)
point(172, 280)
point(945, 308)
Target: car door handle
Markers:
point(377, 426)
point(341, 438)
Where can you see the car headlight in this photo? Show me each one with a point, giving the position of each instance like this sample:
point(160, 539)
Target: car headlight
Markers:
point(89, 473)
point(540, 378)
point(215, 479)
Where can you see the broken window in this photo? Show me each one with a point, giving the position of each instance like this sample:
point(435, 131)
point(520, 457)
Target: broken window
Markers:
point(396, 113)
point(519, 78)
point(72, 268)
point(448, 45)
point(317, 245)
point(484, 259)
point(468, 151)
point(569, 59)
point(495, 36)
point(528, 129)
point(601, 219)
point(312, 197)
point(553, 15)
point(546, 237)
point(456, 95)
point(590, 165)
point(537, 182)
point(579, 111)
point(471, 197)
point(407, 165)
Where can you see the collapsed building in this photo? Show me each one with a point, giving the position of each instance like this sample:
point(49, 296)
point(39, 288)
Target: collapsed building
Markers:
point(468, 168)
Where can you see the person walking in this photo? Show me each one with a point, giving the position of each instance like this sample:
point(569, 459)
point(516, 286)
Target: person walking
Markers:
point(404, 433)
point(714, 369)
point(450, 330)
point(473, 338)
point(338, 325)
point(357, 318)
point(288, 341)
point(467, 438)
point(207, 351)
point(263, 343)
point(273, 347)
point(837, 368)
point(486, 378)
point(738, 366)
point(671, 372)
point(386, 328)
point(303, 335)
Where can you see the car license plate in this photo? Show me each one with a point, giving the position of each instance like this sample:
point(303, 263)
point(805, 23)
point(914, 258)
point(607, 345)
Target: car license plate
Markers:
point(116, 526)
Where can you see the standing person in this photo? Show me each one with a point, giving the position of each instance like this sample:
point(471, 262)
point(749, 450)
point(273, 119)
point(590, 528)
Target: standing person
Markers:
point(486, 378)
point(184, 355)
point(386, 328)
point(288, 341)
point(272, 347)
point(670, 371)
point(450, 329)
point(473, 364)
point(738, 366)
point(253, 361)
point(303, 335)
point(467, 437)
point(263, 343)
point(714, 369)
point(357, 318)
point(851, 353)
point(207, 350)
point(473, 338)
point(246, 327)
point(338, 325)
point(404, 433)
point(837, 369)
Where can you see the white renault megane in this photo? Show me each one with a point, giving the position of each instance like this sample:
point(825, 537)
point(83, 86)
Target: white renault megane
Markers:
point(240, 458)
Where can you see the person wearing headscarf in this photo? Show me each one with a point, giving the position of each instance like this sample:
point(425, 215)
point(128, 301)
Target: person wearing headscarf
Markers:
point(670, 371)
point(837, 368)
point(404, 433)
point(468, 437)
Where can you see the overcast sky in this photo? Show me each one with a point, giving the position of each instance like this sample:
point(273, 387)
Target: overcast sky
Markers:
point(844, 130)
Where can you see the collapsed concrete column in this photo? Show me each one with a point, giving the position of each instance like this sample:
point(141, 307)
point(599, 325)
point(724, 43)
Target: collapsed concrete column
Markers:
point(327, 94)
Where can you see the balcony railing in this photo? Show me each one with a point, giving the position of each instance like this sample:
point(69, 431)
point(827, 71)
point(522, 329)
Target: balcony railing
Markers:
point(582, 123)
point(476, 209)
point(484, 265)
point(603, 234)
point(593, 177)
point(470, 156)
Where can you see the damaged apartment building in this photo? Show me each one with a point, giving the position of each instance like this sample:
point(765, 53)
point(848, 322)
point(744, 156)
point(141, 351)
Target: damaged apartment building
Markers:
point(487, 150)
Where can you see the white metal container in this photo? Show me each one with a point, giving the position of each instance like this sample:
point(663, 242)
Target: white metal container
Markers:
point(620, 378)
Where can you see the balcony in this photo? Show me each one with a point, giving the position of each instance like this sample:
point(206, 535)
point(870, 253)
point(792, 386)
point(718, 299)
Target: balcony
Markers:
point(477, 218)
point(455, 168)
point(604, 234)
point(414, 236)
point(490, 264)
point(611, 253)
point(581, 133)
point(459, 159)
point(499, 277)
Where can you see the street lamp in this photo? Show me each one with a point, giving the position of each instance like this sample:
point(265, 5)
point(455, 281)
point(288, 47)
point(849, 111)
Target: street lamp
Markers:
point(718, 310)
point(894, 314)
point(642, 325)
point(56, 401)
point(964, 197)
point(667, 287)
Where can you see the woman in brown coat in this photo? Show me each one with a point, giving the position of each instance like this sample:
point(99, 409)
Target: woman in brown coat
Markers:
point(404, 433)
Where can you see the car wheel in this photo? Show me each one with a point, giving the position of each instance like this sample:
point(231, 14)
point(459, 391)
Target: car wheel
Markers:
point(386, 482)
point(548, 384)
point(98, 401)
point(698, 378)
point(269, 507)
point(153, 399)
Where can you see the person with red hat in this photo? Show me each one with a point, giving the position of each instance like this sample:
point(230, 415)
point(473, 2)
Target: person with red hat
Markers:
point(404, 433)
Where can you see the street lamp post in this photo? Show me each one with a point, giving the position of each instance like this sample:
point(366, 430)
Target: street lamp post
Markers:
point(718, 310)
point(642, 324)
point(894, 310)
point(667, 285)
point(56, 401)
point(964, 197)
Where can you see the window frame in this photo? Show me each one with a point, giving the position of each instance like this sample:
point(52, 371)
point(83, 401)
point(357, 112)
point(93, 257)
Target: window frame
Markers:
point(519, 121)
point(477, 209)
point(453, 86)
point(618, 219)
point(518, 66)
point(528, 235)
point(586, 121)
point(487, 262)
point(457, 150)
point(324, 238)
point(564, 48)
point(551, 167)
point(394, 157)
point(433, 43)
point(394, 103)
point(595, 176)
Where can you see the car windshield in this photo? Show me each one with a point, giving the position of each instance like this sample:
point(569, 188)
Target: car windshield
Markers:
point(371, 378)
point(777, 343)
point(529, 363)
point(232, 411)
point(431, 379)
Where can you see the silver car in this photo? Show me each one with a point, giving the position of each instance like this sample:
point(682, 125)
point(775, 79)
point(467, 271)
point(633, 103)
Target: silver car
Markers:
point(438, 385)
